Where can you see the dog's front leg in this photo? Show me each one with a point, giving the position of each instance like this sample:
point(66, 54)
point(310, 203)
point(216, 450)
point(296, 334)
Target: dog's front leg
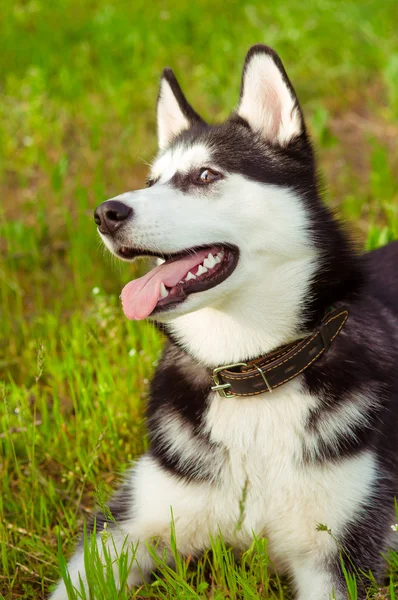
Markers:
point(148, 503)
point(315, 581)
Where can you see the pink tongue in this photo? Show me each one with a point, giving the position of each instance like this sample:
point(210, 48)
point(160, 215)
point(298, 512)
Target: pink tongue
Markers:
point(139, 297)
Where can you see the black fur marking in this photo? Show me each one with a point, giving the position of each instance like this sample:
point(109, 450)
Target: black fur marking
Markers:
point(118, 509)
point(368, 535)
point(189, 182)
point(362, 360)
point(202, 466)
point(151, 181)
point(234, 148)
point(181, 387)
point(181, 383)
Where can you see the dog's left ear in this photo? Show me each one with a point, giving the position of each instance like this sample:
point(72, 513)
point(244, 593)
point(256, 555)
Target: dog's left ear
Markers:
point(267, 99)
point(174, 113)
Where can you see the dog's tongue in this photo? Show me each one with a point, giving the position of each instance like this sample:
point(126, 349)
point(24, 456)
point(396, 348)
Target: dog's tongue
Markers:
point(139, 297)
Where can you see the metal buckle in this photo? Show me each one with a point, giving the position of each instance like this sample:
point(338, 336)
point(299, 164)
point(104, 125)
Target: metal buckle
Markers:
point(222, 387)
point(264, 377)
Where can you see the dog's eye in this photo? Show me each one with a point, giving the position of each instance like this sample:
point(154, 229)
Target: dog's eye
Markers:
point(208, 176)
point(150, 182)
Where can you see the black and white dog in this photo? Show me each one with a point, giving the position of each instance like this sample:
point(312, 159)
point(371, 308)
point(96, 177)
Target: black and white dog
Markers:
point(258, 291)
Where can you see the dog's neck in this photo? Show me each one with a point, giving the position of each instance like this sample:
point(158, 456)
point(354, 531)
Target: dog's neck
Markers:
point(253, 322)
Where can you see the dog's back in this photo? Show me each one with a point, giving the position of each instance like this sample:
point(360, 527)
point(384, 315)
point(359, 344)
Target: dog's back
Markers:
point(383, 275)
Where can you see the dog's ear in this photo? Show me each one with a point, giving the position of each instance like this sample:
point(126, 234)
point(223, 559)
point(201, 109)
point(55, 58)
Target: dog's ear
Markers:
point(267, 99)
point(174, 113)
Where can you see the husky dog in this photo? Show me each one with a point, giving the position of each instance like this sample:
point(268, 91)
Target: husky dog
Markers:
point(256, 280)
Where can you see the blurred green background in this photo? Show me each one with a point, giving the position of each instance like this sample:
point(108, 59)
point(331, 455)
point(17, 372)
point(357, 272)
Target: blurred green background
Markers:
point(78, 88)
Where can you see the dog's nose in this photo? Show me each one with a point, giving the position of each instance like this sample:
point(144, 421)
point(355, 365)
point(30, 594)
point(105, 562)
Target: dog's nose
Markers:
point(110, 215)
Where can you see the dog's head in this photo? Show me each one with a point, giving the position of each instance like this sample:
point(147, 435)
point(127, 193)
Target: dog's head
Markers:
point(229, 208)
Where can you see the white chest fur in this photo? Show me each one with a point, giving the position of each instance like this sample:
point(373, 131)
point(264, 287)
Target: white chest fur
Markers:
point(254, 479)
point(268, 488)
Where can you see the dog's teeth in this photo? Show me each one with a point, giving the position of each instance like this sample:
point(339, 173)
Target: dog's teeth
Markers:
point(163, 292)
point(190, 276)
point(210, 261)
point(217, 259)
point(201, 270)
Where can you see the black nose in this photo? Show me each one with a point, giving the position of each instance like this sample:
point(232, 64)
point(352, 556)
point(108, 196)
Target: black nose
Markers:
point(110, 215)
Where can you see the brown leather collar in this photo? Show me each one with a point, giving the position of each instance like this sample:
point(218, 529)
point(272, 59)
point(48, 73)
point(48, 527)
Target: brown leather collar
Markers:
point(268, 372)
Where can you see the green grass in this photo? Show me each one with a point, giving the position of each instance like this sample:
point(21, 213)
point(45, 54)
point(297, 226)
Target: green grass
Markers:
point(78, 83)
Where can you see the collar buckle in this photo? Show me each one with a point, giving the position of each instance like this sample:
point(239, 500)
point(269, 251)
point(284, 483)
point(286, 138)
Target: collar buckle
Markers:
point(219, 387)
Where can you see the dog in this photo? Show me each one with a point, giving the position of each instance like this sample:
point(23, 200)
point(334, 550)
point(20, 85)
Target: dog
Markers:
point(275, 402)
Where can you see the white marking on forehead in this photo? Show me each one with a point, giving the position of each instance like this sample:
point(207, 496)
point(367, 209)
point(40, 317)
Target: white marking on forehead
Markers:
point(181, 159)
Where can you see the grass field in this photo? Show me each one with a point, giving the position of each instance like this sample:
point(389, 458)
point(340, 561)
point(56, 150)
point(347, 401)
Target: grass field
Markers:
point(78, 85)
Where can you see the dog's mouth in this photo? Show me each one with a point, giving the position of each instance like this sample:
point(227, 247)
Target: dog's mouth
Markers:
point(169, 284)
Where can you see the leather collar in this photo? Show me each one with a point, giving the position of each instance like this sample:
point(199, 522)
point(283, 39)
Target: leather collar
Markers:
point(268, 372)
